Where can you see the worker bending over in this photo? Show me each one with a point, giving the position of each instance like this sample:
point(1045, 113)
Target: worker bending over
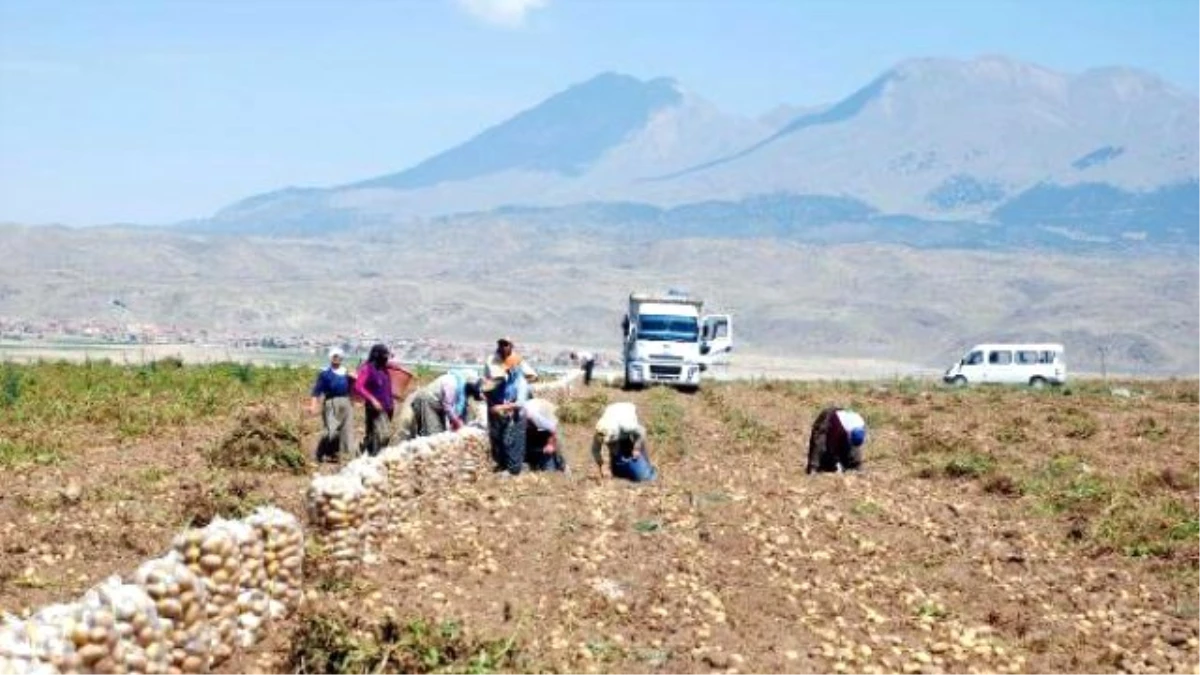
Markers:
point(620, 432)
point(836, 442)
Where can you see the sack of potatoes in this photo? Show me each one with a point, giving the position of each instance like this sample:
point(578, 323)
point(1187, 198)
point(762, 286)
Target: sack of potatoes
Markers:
point(337, 514)
point(214, 554)
point(371, 473)
point(283, 552)
point(180, 597)
point(118, 630)
point(41, 643)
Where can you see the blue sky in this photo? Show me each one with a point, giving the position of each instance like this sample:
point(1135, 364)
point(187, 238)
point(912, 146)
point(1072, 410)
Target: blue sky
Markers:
point(153, 112)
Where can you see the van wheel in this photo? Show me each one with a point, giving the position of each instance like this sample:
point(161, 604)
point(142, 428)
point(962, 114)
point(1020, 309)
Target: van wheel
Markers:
point(1038, 383)
point(958, 381)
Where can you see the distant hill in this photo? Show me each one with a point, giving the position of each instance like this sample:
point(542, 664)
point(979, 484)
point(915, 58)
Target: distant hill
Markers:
point(933, 152)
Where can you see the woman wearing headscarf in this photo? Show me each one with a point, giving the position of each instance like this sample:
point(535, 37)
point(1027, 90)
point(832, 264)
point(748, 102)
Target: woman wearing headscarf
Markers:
point(442, 404)
point(374, 385)
point(331, 391)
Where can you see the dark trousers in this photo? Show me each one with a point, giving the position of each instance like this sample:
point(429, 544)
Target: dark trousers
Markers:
point(535, 451)
point(379, 430)
point(588, 367)
point(507, 434)
point(829, 446)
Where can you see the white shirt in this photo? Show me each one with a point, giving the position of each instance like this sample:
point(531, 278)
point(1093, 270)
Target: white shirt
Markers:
point(617, 418)
point(851, 420)
point(584, 357)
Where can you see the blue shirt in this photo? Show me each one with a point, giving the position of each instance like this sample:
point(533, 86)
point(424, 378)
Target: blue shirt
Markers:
point(330, 384)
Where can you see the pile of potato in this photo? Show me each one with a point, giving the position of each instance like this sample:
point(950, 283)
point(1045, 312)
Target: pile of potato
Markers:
point(180, 597)
point(336, 509)
point(283, 553)
point(214, 554)
point(376, 505)
point(117, 630)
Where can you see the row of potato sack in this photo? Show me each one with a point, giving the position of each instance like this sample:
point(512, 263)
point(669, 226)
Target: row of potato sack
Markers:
point(353, 510)
point(183, 612)
point(220, 585)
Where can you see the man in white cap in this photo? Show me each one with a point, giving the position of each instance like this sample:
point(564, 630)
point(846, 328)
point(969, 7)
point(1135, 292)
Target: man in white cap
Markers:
point(333, 385)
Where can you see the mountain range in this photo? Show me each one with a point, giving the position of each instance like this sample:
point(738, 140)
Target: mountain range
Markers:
point(985, 153)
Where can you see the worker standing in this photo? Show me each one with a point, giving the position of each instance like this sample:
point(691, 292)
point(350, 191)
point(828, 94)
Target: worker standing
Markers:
point(836, 442)
point(374, 385)
point(442, 404)
point(507, 391)
point(620, 432)
point(331, 391)
point(587, 363)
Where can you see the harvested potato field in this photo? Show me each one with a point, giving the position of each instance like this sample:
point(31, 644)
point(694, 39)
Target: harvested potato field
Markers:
point(993, 530)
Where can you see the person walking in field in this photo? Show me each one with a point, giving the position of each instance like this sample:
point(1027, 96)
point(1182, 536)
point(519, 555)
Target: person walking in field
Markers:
point(620, 432)
point(331, 391)
point(442, 404)
point(836, 442)
point(587, 363)
point(374, 386)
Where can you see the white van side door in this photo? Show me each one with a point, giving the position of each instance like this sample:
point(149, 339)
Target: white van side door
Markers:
point(716, 338)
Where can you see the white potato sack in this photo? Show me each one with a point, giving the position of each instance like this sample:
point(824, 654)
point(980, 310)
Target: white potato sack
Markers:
point(119, 630)
point(214, 554)
point(336, 511)
point(283, 551)
point(180, 597)
point(41, 643)
point(375, 503)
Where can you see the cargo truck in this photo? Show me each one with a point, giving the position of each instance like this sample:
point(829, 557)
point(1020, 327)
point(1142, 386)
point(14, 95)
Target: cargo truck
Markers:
point(669, 340)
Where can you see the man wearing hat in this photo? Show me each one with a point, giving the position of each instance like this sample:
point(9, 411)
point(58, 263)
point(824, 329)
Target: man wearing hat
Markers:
point(505, 355)
point(333, 385)
point(442, 404)
point(836, 442)
point(506, 391)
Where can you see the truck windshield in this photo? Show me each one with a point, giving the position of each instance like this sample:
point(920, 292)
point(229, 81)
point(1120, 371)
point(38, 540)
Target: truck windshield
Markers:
point(668, 328)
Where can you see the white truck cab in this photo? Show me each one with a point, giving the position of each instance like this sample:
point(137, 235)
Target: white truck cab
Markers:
point(668, 340)
point(1035, 364)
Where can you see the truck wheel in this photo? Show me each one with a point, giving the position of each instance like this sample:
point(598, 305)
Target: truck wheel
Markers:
point(1038, 382)
point(958, 381)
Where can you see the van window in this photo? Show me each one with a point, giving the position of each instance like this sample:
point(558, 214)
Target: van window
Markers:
point(973, 359)
point(1048, 357)
point(1000, 358)
point(1028, 357)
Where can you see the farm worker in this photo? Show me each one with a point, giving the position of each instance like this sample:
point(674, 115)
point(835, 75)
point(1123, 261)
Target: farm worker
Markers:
point(333, 385)
point(587, 362)
point(837, 440)
point(442, 404)
point(504, 351)
point(374, 385)
point(622, 434)
point(507, 390)
point(541, 436)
